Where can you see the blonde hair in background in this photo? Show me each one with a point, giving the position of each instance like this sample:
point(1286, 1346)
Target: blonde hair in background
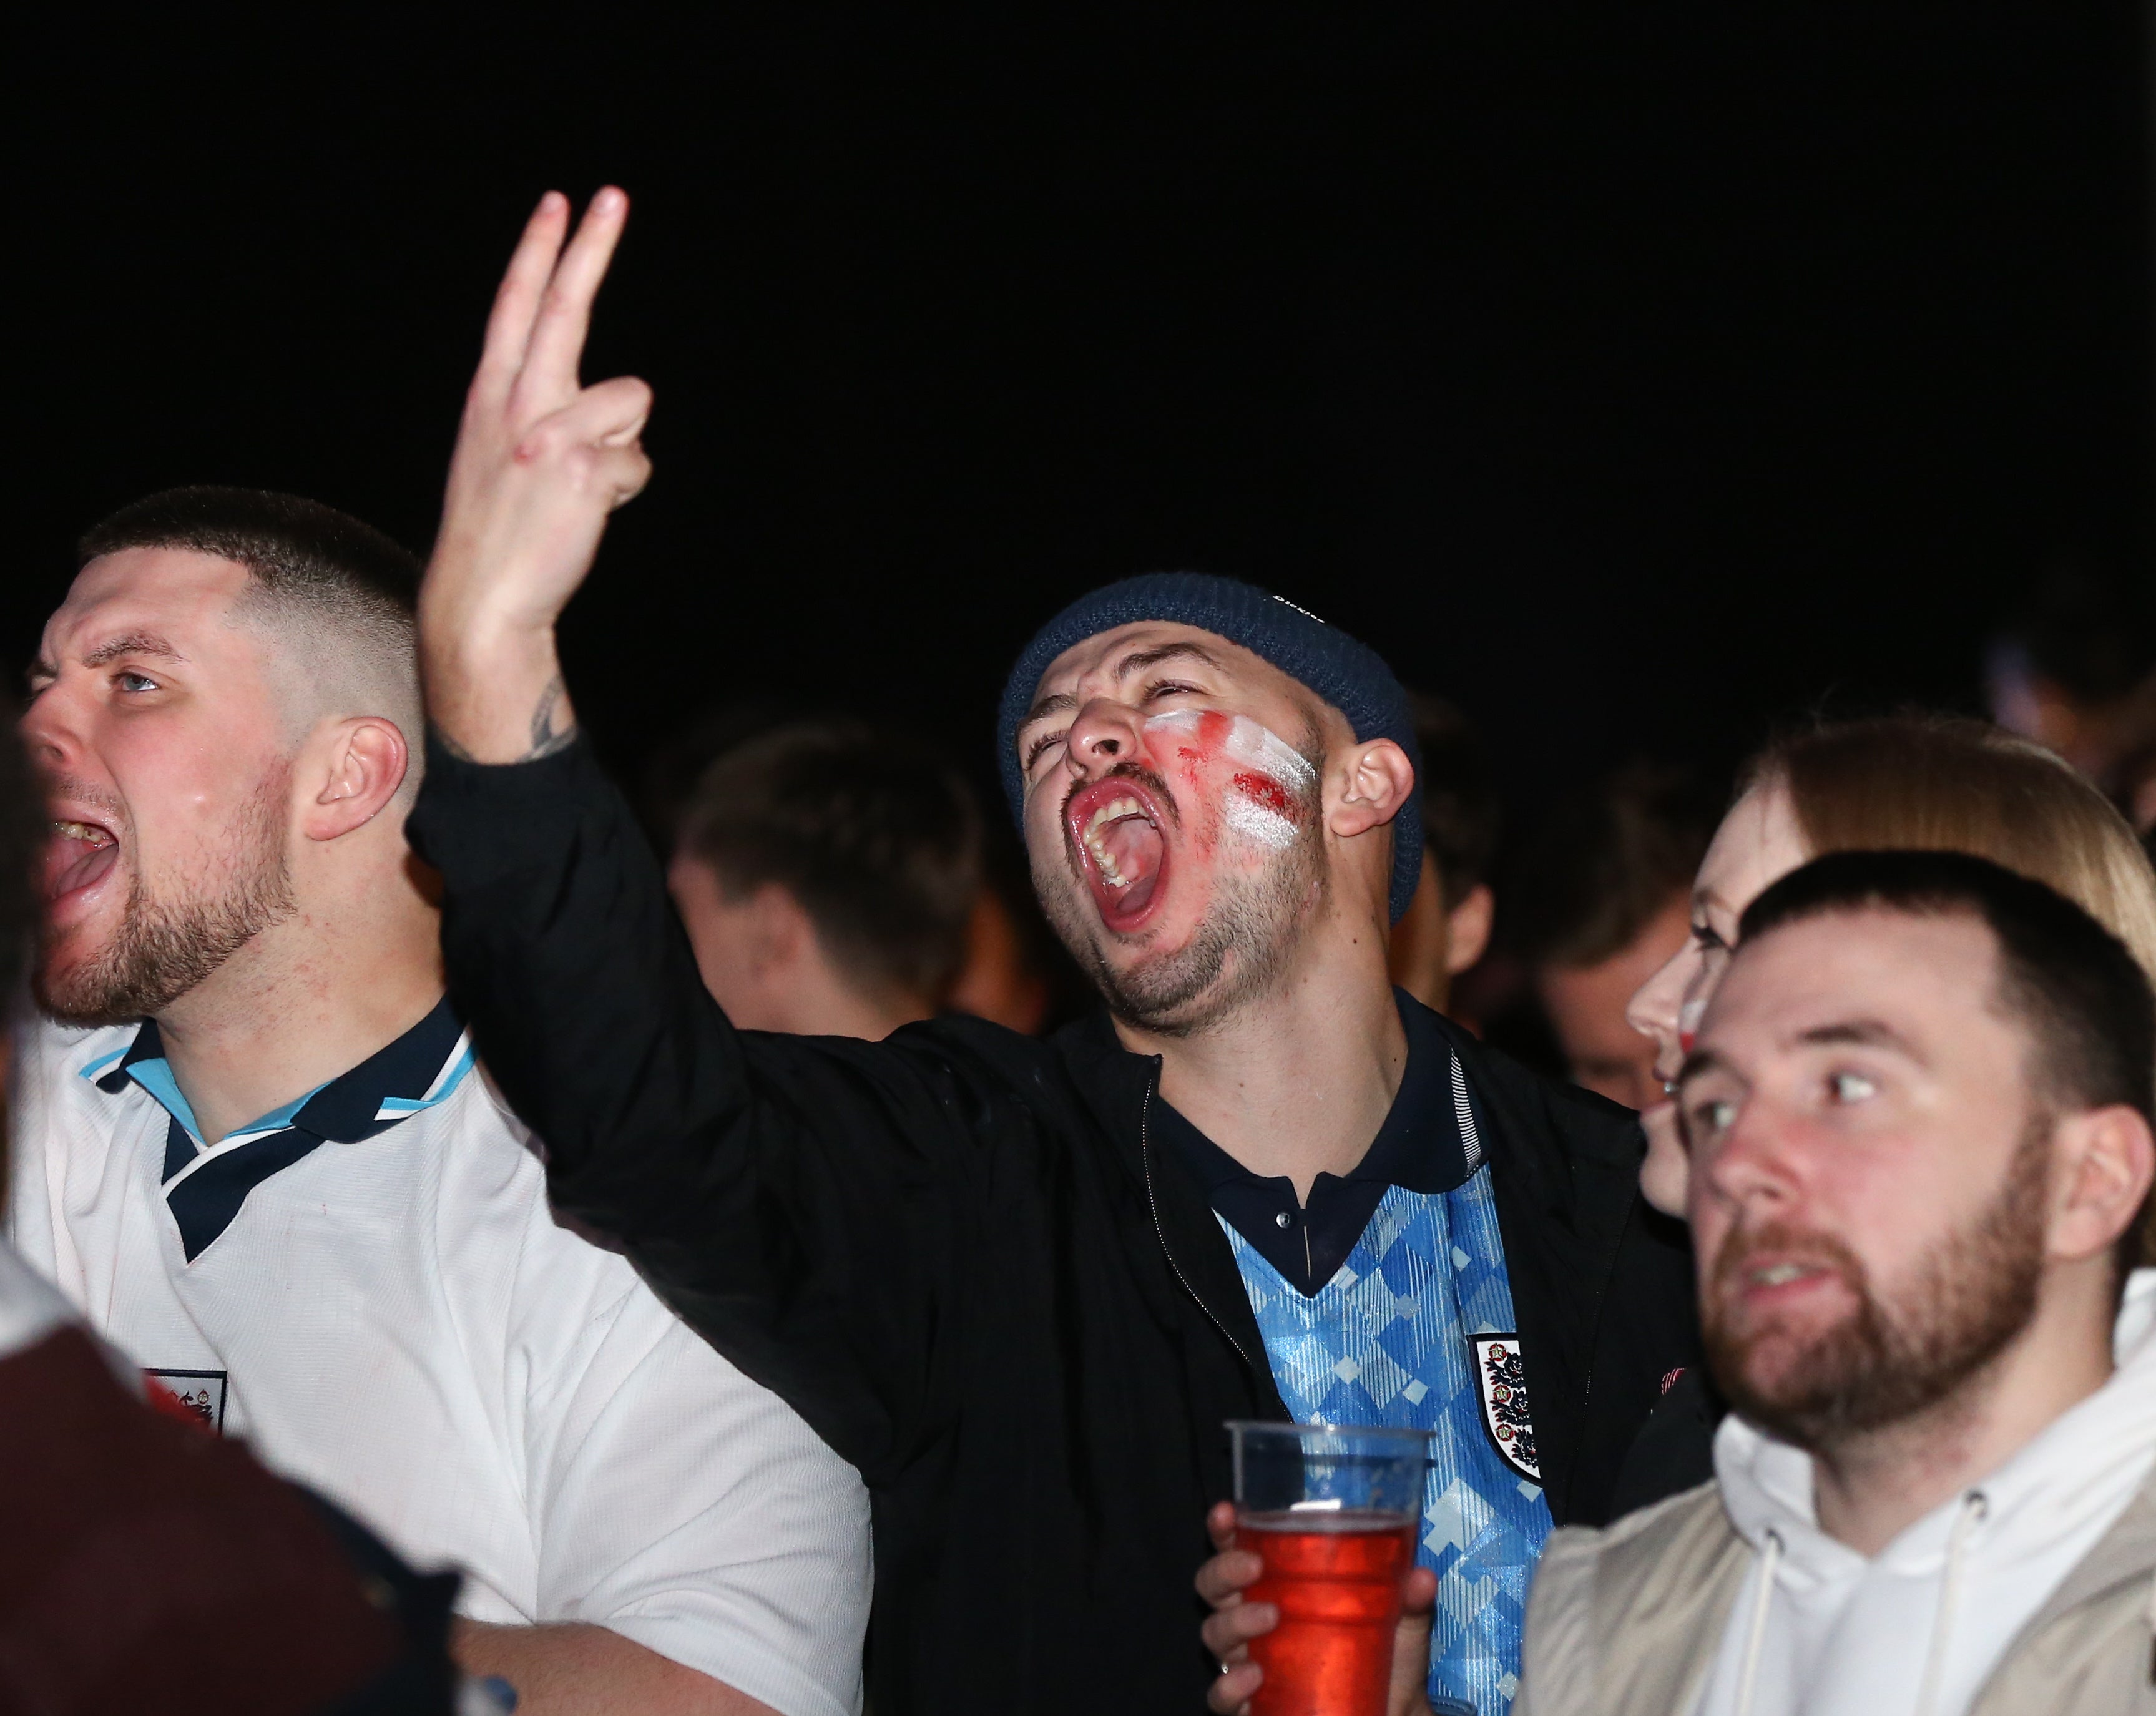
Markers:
point(1934, 782)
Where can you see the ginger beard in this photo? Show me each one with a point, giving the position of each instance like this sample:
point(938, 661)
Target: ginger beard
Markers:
point(1884, 1360)
point(1202, 886)
point(170, 937)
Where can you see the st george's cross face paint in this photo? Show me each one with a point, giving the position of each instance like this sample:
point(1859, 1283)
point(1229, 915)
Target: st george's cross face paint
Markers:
point(1269, 777)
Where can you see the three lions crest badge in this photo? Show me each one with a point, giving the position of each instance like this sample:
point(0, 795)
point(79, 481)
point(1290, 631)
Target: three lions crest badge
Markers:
point(1501, 1383)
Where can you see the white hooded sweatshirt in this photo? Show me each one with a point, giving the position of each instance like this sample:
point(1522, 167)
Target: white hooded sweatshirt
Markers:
point(1818, 1630)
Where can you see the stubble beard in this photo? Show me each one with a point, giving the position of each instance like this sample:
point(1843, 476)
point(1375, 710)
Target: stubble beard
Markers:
point(1887, 1362)
point(1240, 948)
point(166, 946)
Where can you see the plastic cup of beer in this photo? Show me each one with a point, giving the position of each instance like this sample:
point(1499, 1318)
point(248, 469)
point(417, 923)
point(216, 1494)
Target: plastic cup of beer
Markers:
point(1332, 1510)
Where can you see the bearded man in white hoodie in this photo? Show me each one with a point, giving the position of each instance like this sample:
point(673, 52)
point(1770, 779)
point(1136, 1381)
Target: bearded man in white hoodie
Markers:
point(1918, 1111)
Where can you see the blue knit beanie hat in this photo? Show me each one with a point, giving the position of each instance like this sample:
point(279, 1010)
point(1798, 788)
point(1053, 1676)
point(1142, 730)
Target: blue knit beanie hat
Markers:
point(1350, 676)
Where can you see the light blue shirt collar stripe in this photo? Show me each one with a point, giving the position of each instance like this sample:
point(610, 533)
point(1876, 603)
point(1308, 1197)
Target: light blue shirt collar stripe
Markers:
point(155, 1076)
point(452, 1075)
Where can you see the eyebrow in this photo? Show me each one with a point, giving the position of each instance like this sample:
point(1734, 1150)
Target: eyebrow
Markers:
point(132, 643)
point(1061, 703)
point(1863, 1033)
point(1702, 898)
point(1699, 1062)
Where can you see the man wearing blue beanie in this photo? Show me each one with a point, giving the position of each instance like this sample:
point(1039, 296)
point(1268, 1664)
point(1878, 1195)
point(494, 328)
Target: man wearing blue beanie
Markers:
point(1021, 1285)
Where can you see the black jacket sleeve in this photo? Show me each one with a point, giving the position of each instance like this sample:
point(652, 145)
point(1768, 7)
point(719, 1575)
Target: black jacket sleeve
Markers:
point(804, 1202)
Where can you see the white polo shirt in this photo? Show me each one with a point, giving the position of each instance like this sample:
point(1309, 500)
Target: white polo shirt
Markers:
point(368, 1285)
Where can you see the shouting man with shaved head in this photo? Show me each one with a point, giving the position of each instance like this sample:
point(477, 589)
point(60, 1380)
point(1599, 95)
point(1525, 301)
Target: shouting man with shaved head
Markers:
point(253, 1149)
point(1021, 1285)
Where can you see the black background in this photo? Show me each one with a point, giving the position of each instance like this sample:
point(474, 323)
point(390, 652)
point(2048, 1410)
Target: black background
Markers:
point(1632, 381)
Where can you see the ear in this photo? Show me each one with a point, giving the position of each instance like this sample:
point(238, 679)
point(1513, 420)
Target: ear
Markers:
point(367, 760)
point(2104, 1160)
point(1468, 938)
point(779, 931)
point(1375, 778)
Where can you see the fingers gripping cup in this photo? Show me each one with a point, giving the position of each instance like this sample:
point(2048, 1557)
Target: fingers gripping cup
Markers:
point(1331, 1510)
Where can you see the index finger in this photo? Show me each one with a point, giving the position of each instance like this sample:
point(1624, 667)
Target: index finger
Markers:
point(565, 313)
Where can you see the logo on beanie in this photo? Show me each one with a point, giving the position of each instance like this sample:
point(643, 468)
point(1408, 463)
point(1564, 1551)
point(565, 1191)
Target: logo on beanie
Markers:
point(1304, 612)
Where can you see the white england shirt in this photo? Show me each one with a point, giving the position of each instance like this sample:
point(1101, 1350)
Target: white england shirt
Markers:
point(386, 1309)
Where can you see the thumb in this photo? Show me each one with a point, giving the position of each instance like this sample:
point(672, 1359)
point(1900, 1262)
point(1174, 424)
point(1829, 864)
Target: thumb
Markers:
point(1411, 1645)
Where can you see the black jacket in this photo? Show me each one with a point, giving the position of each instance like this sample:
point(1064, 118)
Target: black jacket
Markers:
point(962, 1257)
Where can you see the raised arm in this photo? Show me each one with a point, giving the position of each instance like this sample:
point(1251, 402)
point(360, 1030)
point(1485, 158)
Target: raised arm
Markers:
point(753, 1179)
point(541, 461)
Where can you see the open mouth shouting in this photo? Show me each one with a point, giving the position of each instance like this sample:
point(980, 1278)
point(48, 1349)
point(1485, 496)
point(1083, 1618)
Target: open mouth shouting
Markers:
point(78, 856)
point(1116, 829)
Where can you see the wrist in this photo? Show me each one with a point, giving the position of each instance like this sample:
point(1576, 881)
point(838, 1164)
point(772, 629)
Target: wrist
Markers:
point(495, 694)
point(453, 631)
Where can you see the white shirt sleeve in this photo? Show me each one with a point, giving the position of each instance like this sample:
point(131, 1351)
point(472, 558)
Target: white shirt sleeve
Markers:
point(683, 1506)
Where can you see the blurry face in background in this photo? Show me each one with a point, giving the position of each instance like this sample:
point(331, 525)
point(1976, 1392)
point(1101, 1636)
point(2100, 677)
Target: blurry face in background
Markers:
point(1868, 1171)
point(1587, 1007)
point(161, 740)
point(1759, 842)
point(1173, 819)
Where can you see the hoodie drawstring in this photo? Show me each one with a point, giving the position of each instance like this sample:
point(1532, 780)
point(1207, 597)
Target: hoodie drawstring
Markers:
point(1755, 1635)
point(2151, 1632)
point(1974, 1507)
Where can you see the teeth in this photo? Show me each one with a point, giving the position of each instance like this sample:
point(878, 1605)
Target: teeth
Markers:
point(1113, 811)
point(1104, 861)
point(83, 831)
point(1779, 1275)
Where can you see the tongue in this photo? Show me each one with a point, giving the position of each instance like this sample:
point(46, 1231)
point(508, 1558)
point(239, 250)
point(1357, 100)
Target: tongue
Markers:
point(1136, 846)
point(70, 864)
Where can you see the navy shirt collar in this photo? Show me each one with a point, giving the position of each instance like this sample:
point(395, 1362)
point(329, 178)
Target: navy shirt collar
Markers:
point(1420, 1148)
point(391, 1084)
point(205, 1185)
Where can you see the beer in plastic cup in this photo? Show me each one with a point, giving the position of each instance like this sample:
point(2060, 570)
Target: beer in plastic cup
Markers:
point(1332, 1511)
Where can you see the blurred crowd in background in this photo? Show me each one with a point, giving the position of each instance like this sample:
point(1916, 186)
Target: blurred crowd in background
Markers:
point(833, 885)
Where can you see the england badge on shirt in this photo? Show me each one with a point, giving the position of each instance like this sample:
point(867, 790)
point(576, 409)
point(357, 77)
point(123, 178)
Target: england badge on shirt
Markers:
point(195, 1397)
point(1501, 1382)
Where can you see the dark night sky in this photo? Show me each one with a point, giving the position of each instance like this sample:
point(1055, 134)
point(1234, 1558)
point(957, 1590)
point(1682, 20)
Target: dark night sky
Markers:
point(1631, 381)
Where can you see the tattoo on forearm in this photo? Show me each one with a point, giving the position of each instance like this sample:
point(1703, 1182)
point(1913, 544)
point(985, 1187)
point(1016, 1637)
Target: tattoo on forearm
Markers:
point(546, 740)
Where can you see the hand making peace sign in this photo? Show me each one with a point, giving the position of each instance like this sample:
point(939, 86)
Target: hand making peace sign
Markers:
point(541, 460)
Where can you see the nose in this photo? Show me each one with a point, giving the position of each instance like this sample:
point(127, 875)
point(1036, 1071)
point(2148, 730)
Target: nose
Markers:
point(1751, 1166)
point(50, 734)
point(1653, 1009)
point(1106, 734)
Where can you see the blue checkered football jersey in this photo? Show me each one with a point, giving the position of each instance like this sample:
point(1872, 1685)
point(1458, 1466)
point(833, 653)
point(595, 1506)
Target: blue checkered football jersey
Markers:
point(1415, 1331)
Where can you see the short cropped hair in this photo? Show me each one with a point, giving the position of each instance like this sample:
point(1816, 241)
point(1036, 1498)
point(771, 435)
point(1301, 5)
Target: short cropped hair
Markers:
point(340, 593)
point(882, 851)
point(2080, 995)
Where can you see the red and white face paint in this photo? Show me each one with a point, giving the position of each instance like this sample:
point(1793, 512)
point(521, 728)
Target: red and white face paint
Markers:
point(1214, 792)
point(1271, 777)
